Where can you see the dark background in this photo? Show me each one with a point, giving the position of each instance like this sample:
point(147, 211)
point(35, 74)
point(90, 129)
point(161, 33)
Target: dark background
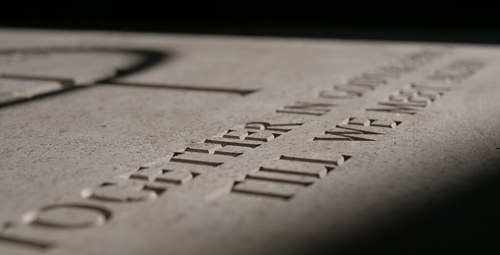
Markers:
point(471, 221)
point(422, 20)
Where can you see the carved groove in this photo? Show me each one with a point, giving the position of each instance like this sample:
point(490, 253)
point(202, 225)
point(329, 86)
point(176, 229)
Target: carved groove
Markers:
point(291, 172)
point(33, 219)
point(301, 112)
point(225, 143)
point(196, 162)
point(271, 179)
point(307, 108)
point(282, 184)
point(241, 92)
point(346, 135)
point(30, 243)
point(65, 82)
point(262, 193)
point(318, 161)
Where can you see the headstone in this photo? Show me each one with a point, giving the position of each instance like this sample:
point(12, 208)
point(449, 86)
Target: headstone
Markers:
point(123, 143)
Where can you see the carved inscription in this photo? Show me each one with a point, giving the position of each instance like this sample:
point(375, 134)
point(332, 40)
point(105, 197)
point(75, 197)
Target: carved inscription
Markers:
point(418, 96)
point(150, 181)
point(250, 135)
point(147, 182)
point(10, 234)
point(358, 85)
point(49, 84)
point(356, 129)
point(316, 109)
point(457, 71)
point(411, 100)
point(123, 191)
point(21, 89)
point(284, 177)
point(57, 216)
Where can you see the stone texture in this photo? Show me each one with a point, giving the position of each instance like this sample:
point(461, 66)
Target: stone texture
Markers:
point(123, 143)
